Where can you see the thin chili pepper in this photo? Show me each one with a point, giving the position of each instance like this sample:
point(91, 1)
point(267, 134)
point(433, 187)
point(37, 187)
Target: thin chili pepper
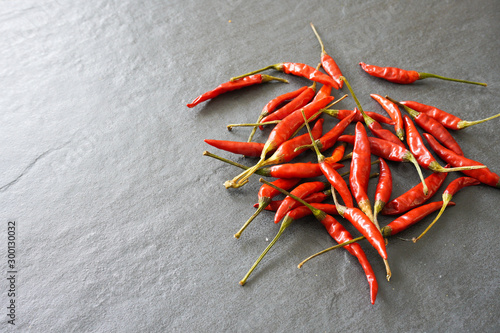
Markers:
point(328, 63)
point(485, 176)
point(300, 101)
point(455, 186)
point(338, 232)
point(390, 151)
point(341, 114)
point(288, 170)
point(401, 223)
point(364, 225)
point(265, 196)
point(383, 190)
point(273, 104)
point(331, 174)
point(414, 197)
point(278, 135)
point(337, 153)
point(422, 154)
point(401, 76)
point(296, 69)
point(433, 127)
point(250, 149)
point(394, 112)
point(233, 85)
point(312, 198)
point(323, 92)
point(446, 119)
point(300, 191)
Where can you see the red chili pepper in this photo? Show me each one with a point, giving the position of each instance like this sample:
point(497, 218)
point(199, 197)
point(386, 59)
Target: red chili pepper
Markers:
point(389, 151)
point(278, 135)
point(341, 114)
point(393, 111)
point(360, 170)
point(383, 190)
point(338, 232)
point(250, 149)
point(328, 63)
point(410, 218)
point(444, 118)
point(401, 76)
point(364, 225)
point(233, 85)
point(325, 91)
point(485, 176)
point(433, 127)
point(337, 154)
point(455, 186)
point(301, 100)
point(296, 69)
point(328, 140)
point(265, 196)
point(422, 154)
point(415, 197)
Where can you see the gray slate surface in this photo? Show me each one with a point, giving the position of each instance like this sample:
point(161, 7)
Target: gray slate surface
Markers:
point(123, 225)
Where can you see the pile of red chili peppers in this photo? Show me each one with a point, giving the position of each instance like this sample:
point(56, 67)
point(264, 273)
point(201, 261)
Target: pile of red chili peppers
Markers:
point(317, 188)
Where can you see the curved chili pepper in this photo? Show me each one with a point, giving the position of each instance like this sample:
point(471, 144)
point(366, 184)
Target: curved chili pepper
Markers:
point(273, 104)
point(301, 100)
point(364, 225)
point(389, 151)
point(341, 114)
point(446, 119)
point(233, 85)
point(250, 149)
point(410, 218)
point(279, 134)
point(360, 170)
point(401, 76)
point(265, 196)
point(433, 127)
point(383, 190)
point(338, 232)
point(455, 186)
point(485, 176)
point(394, 112)
point(300, 191)
point(328, 63)
point(296, 69)
point(329, 138)
point(337, 154)
point(423, 155)
point(414, 197)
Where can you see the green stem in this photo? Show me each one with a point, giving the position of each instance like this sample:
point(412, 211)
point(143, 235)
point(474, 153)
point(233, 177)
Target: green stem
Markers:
point(230, 126)
point(275, 66)
point(352, 92)
point(261, 172)
point(263, 203)
point(422, 76)
point(329, 249)
point(446, 200)
point(464, 123)
point(413, 160)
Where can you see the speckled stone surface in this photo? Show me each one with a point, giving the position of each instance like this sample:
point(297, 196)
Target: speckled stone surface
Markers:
point(123, 226)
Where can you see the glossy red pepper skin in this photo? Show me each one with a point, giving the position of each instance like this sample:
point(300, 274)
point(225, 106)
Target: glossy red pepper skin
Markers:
point(392, 74)
point(444, 118)
point(308, 72)
point(337, 154)
point(417, 145)
point(336, 180)
point(361, 168)
point(273, 104)
point(331, 67)
point(341, 114)
point(458, 184)
point(230, 86)
point(300, 191)
point(394, 112)
point(410, 218)
point(301, 100)
point(379, 131)
point(295, 170)
point(384, 187)
point(382, 148)
point(485, 176)
point(415, 196)
point(330, 138)
point(250, 149)
point(325, 91)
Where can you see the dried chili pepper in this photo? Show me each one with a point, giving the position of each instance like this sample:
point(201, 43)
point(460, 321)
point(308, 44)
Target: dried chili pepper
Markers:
point(433, 127)
point(414, 197)
point(422, 154)
point(328, 63)
point(394, 112)
point(389, 151)
point(250, 149)
point(279, 135)
point(233, 85)
point(485, 176)
point(266, 194)
point(401, 76)
point(444, 118)
point(455, 186)
point(296, 69)
point(338, 232)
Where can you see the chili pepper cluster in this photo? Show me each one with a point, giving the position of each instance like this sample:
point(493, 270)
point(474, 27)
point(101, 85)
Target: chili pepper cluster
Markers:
point(394, 139)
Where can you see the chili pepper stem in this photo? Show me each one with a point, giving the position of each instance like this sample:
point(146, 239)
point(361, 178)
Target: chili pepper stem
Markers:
point(230, 126)
point(329, 249)
point(217, 157)
point(446, 200)
point(464, 123)
point(413, 160)
point(422, 76)
point(263, 203)
point(434, 166)
point(285, 224)
point(352, 92)
point(275, 66)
